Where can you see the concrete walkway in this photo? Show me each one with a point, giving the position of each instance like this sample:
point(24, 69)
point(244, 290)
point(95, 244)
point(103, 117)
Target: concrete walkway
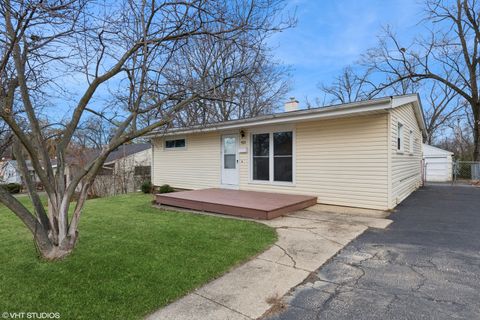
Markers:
point(426, 265)
point(307, 239)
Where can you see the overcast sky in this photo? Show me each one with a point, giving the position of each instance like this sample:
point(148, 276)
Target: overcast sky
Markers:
point(330, 34)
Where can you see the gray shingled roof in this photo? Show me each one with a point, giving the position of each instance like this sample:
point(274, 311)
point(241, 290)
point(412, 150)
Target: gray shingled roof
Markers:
point(126, 150)
point(120, 152)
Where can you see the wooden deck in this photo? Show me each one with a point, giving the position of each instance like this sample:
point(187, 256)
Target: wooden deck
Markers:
point(247, 204)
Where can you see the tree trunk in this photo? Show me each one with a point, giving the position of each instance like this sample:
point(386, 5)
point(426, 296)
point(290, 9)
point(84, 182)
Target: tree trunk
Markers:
point(64, 239)
point(57, 242)
point(476, 130)
point(429, 139)
point(476, 141)
point(57, 252)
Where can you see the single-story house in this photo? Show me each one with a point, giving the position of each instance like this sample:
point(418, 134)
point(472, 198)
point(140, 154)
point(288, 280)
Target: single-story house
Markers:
point(125, 168)
point(9, 172)
point(438, 164)
point(135, 157)
point(129, 160)
point(365, 154)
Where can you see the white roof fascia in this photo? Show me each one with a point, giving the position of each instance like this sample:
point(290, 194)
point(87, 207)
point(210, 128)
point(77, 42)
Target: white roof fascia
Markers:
point(436, 149)
point(414, 99)
point(350, 109)
point(336, 111)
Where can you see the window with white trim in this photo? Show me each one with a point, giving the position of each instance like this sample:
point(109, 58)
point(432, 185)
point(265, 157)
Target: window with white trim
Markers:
point(410, 137)
point(282, 156)
point(400, 137)
point(261, 156)
point(272, 156)
point(174, 143)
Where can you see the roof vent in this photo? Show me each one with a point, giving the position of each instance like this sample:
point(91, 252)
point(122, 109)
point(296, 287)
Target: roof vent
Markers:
point(291, 105)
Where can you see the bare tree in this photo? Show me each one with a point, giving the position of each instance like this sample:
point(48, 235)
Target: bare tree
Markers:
point(6, 138)
point(124, 47)
point(460, 140)
point(349, 86)
point(442, 106)
point(94, 132)
point(256, 92)
point(357, 83)
point(448, 55)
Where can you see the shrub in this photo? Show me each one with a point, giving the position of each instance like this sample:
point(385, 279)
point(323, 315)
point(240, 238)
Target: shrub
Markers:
point(166, 189)
point(12, 187)
point(146, 186)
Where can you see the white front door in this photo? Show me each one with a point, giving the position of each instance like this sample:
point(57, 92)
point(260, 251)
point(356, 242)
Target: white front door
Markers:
point(230, 160)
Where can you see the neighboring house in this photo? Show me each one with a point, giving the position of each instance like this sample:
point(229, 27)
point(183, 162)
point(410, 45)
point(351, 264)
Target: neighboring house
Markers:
point(126, 158)
point(126, 163)
point(123, 171)
point(9, 172)
point(438, 164)
point(365, 154)
point(135, 158)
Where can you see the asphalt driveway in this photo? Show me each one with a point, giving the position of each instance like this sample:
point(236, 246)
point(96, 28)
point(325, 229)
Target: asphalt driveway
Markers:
point(426, 265)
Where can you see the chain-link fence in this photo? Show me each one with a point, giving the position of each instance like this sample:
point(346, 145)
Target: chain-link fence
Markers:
point(441, 171)
point(466, 171)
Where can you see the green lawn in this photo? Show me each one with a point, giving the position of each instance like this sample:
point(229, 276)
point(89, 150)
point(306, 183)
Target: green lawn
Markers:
point(130, 260)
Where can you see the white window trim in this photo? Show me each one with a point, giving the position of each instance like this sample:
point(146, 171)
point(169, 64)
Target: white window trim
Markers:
point(400, 128)
point(164, 143)
point(411, 145)
point(271, 131)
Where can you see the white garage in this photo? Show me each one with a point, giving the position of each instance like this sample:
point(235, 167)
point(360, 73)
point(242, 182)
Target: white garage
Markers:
point(438, 164)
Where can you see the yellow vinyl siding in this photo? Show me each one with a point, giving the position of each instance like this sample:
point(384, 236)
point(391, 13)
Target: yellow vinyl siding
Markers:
point(341, 161)
point(406, 167)
point(349, 161)
point(196, 167)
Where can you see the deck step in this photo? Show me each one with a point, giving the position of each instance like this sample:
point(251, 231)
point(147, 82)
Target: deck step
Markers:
point(247, 204)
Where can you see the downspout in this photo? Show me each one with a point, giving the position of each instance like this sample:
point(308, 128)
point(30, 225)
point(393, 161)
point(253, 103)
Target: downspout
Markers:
point(389, 156)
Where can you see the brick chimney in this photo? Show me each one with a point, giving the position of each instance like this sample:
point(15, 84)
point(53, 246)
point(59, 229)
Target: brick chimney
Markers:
point(291, 105)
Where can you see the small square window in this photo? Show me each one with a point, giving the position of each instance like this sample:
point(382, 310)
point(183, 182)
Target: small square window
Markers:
point(174, 143)
point(170, 144)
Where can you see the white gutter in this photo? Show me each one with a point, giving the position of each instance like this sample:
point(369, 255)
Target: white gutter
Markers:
point(335, 111)
point(288, 117)
point(414, 99)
